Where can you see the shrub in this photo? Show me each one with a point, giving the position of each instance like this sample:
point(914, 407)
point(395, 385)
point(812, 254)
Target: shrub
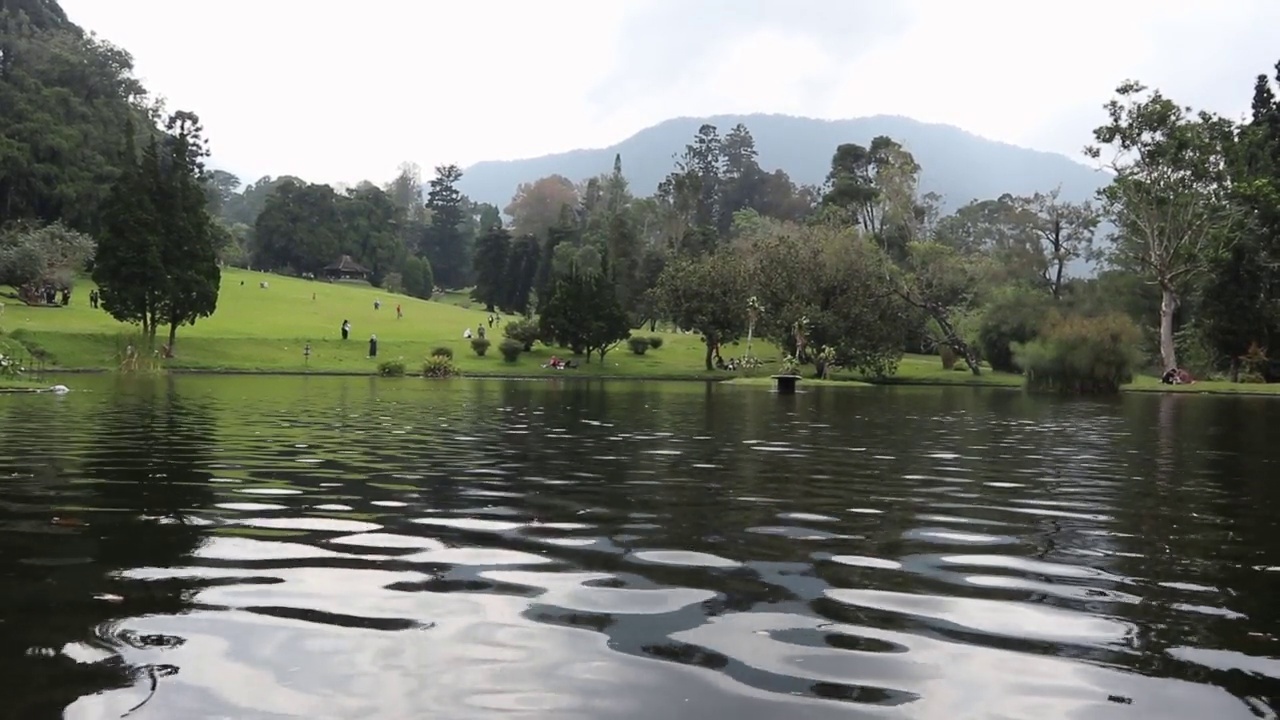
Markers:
point(639, 345)
point(10, 368)
point(391, 368)
point(1081, 355)
point(510, 349)
point(655, 342)
point(439, 366)
point(480, 345)
point(523, 331)
point(443, 351)
point(1014, 317)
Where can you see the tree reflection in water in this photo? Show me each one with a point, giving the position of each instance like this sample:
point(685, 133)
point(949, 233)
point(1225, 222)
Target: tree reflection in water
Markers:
point(123, 503)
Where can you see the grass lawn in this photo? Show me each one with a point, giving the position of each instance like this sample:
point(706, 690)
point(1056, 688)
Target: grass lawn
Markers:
point(265, 330)
point(1149, 384)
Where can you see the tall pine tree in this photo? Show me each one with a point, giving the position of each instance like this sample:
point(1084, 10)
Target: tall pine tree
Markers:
point(128, 264)
point(189, 244)
point(492, 248)
point(446, 236)
point(157, 258)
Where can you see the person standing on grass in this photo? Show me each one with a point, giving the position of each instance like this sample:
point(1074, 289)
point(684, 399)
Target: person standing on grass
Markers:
point(377, 303)
point(399, 313)
point(346, 329)
point(373, 346)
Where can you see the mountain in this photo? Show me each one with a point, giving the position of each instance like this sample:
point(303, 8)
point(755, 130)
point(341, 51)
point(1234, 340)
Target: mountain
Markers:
point(956, 164)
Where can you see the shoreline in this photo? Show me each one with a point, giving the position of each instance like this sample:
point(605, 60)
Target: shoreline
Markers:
point(985, 382)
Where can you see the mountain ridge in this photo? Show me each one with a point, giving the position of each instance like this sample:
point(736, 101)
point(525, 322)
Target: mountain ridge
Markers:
point(959, 165)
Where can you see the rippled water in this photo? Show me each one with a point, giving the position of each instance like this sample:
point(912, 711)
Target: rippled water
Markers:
point(356, 548)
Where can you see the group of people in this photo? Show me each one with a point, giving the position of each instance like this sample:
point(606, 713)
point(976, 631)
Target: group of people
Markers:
point(1176, 376)
point(558, 363)
point(47, 295)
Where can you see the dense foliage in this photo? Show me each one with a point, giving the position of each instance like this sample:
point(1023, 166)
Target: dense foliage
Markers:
point(1077, 355)
point(157, 262)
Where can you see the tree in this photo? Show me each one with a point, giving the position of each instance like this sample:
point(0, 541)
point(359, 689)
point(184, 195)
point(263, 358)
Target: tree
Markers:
point(876, 188)
point(836, 283)
point(446, 238)
point(32, 256)
point(562, 233)
point(370, 231)
point(188, 253)
point(741, 180)
point(129, 266)
point(221, 188)
point(708, 295)
point(300, 228)
point(536, 206)
point(1066, 233)
point(492, 248)
point(1239, 305)
point(582, 312)
point(520, 275)
point(417, 277)
point(943, 283)
point(691, 195)
point(157, 258)
point(244, 207)
point(64, 96)
point(1168, 195)
point(405, 192)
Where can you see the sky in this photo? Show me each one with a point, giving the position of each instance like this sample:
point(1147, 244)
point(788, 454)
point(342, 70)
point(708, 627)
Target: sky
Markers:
point(343, 92)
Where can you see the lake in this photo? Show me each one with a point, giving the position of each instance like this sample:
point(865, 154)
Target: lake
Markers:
point(313, 547)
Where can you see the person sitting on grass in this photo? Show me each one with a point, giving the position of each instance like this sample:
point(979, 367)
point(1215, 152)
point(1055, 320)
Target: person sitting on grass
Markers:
point(1176, 376)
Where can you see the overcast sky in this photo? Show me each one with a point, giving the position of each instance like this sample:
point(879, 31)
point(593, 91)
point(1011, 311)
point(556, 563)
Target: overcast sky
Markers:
point(346, 91)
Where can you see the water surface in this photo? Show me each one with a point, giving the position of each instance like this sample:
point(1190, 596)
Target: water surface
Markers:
point(356, 548)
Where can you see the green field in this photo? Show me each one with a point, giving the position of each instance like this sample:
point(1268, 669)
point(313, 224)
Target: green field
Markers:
point(265, 329)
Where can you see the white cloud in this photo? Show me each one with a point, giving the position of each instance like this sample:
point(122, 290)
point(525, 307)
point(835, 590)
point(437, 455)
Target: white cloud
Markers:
point(339, 92)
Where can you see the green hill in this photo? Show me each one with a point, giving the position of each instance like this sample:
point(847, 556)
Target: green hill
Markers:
point(956, 164)
point(265, 329)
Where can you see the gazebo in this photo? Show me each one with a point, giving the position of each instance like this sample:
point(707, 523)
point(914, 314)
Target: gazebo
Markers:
point(346, 269)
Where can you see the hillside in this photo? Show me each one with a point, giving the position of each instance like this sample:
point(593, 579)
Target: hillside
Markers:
point(266, 329)
point(956, 164)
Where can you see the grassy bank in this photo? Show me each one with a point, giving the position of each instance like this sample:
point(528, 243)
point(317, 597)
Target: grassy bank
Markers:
point(264, 330)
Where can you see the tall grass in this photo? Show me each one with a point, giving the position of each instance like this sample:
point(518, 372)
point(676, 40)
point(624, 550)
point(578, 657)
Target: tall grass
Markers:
point(1077, 355)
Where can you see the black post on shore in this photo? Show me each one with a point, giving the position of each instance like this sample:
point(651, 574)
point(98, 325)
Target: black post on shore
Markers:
point(785, 384)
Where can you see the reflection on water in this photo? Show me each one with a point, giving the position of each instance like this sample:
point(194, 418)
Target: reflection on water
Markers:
point(352, 548)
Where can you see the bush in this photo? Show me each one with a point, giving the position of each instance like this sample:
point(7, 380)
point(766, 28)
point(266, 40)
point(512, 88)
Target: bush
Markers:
point(511, 349)
point(480, 345)
point(1081, 355)
point(523, 331)
point(439, 366)
point(391, 368)
point(443, 351)
point(1014, 317)
point(639, 345)
point(10, 368)
point(655, 342)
